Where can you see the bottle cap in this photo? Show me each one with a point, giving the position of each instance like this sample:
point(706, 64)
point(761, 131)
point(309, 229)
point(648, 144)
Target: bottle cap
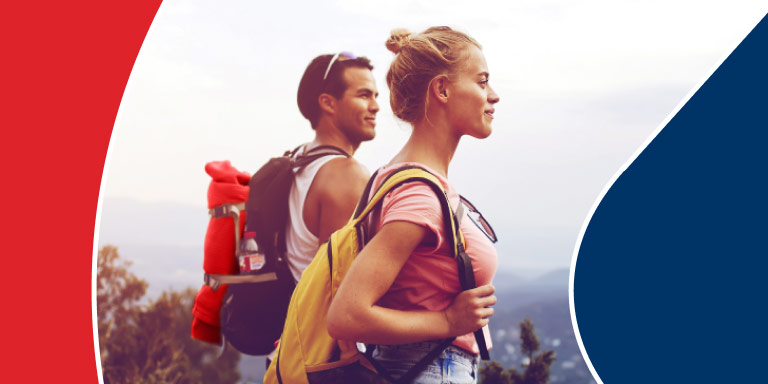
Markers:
point(249, 235)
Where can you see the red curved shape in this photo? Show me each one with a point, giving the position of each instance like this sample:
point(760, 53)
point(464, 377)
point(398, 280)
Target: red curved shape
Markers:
point(65, 66)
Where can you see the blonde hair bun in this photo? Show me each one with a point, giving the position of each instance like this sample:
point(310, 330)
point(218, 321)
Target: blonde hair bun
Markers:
point(398, 38)
point(436, 51)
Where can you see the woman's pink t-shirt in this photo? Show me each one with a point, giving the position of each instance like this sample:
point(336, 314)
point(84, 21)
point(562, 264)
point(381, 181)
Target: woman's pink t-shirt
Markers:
point(429, 279)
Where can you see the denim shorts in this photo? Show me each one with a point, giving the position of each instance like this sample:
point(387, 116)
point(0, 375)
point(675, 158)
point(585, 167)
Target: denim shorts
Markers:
point(452, 366)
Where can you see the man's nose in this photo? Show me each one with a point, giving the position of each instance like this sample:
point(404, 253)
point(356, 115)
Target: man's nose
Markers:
point(374, 106)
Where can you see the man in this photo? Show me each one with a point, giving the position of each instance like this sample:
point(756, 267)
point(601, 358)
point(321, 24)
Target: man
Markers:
point(337, 94)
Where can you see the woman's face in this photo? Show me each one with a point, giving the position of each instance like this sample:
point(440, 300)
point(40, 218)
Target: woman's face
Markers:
point(471, 98)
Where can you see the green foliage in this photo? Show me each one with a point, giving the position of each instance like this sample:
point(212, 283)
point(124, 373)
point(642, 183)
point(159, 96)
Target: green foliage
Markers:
point(536, 370)
point(516, 377)
point(494, 373)
point(530, 341)
point(117, 292)
point(150, 343)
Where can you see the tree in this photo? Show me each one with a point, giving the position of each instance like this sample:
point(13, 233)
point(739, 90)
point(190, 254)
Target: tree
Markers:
point(530, 343)
point(150, 343)
point(494, 373)
point(117, 293)
point(536, 369)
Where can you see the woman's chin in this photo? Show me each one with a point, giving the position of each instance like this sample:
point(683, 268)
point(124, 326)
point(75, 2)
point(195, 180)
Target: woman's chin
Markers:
point(482, 134)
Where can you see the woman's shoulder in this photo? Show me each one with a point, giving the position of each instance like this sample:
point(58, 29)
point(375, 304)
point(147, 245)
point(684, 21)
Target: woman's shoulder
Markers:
point(390, 169)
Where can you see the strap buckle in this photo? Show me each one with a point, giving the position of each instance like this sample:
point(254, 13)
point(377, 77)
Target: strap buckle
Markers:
point(229, 209)
point(224, 210)
point(211, 282)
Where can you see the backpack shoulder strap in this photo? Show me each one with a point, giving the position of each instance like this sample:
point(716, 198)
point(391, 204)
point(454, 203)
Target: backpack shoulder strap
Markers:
point(327, 149)
point(302, 160)
point(413, 174)
point(467, 280)
point(291, 153)
point(409, 174)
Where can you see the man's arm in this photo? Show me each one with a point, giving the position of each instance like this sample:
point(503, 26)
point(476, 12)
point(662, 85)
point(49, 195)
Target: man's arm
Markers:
point(334, 193)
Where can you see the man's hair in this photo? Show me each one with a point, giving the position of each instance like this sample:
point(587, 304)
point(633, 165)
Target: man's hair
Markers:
point(312, 83)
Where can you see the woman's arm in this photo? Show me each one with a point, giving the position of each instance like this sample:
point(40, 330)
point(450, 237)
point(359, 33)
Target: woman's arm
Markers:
point(353, 315)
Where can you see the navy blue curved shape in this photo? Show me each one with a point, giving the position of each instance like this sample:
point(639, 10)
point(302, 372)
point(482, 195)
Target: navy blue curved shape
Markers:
point(670, 281)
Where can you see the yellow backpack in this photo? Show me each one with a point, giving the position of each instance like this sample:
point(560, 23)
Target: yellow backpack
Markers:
point(306, 352)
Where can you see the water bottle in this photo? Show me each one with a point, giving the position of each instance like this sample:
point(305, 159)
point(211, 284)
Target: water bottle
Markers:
point(249, 256)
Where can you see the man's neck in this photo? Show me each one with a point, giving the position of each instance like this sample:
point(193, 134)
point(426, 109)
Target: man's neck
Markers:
point(330, 136)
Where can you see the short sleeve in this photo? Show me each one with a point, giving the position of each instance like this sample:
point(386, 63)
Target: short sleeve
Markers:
point(414, 203)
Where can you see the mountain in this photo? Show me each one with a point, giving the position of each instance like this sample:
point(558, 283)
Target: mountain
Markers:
point(164, 267)
point(552, 325)
point(127, 221)
point(163, 241)
point(557, 278)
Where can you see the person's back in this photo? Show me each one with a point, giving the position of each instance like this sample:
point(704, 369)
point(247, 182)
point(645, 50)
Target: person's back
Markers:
point(337, 94)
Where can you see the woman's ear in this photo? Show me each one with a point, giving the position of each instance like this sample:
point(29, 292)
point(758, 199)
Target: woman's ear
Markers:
point(439, 88)
point(327, 103)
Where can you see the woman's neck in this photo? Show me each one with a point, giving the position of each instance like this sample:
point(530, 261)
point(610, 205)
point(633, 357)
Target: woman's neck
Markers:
point(430, 144)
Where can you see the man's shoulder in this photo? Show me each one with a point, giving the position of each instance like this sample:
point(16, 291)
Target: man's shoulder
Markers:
point(342, 173)
point(343, 167)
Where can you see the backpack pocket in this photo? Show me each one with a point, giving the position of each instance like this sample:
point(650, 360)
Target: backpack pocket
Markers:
point(253, 313)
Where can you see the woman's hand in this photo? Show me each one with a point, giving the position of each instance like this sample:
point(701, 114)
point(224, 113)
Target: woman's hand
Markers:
point(470, 310)
point(354, 315)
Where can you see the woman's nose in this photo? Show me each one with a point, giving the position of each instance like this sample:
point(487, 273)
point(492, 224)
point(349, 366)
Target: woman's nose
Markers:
point(493, 98)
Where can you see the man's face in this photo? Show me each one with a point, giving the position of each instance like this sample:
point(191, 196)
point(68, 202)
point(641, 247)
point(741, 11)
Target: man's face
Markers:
point(356, 109)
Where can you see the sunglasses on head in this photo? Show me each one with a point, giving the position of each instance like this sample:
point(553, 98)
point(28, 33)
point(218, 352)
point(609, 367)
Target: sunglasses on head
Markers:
point(341, 56)
point(478, 219)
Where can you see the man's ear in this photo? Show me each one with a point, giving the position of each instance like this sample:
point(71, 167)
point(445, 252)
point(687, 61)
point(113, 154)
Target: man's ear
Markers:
point(439, 88)
point(327, 103)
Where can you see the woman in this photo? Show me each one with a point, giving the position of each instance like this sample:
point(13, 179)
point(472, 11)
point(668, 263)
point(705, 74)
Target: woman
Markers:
point(403, 292)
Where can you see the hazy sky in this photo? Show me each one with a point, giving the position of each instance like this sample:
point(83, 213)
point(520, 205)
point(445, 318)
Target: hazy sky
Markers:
point(582, 85)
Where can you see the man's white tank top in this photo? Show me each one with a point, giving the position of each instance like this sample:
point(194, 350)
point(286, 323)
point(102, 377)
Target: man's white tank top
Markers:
point(301, 244)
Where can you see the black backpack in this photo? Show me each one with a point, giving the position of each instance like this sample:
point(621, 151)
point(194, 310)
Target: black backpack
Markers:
point(256, 302)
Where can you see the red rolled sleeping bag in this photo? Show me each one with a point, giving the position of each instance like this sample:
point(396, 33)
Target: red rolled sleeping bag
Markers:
point(228, 185)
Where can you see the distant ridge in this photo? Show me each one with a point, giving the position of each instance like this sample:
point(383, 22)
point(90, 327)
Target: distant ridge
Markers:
point(127, 221)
